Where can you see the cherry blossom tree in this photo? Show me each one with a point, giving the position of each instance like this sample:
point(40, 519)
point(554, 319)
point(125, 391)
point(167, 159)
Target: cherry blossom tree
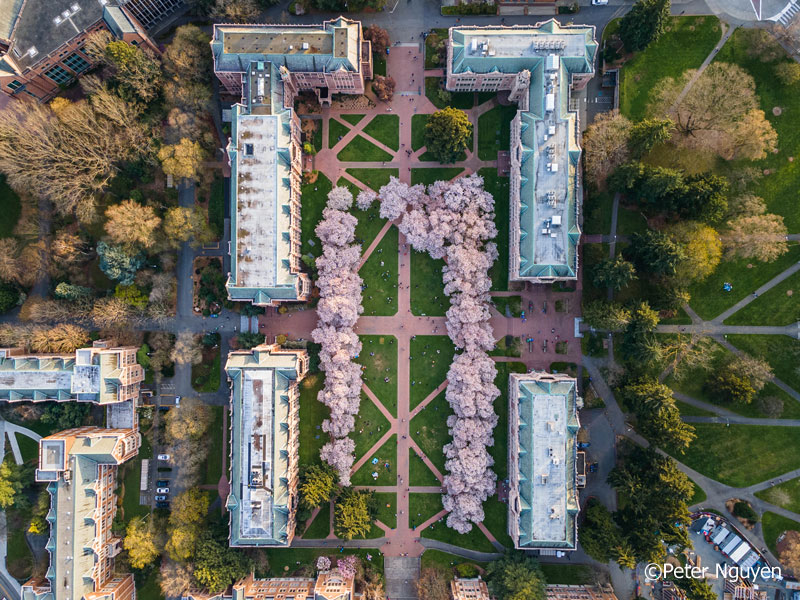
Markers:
point(455, 221)
point(337, 312)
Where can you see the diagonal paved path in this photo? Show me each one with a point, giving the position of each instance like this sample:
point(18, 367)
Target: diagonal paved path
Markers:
point(761, 290)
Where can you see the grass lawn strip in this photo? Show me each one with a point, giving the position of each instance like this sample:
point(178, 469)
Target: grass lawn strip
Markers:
point(362, 150)
point(685, 46)
point(422, 507)
point(429, 430)
point(213, 470)
point(370, 426)
point(499, 451)
point(374, 368)
point(312, 413)
point(418, 123)
point(429, 370)
point(315, 197)
point(131, 481)
point(373, 178)
point(462, 100)
point(10, 208)
point(496, 520)
point(385, 129)
point(385, 454)
point(336, 130)
point(778, 306)
point(775, 495)
point(597, 213)
point(742, 455)
point(352, 119)
point(387, 514)
point(698, 496)
point(474, 540)
point(772, 526)
point(508, 305)
point(379, 273)
point(780, 351)
point(418, 472)
point(427, 286)
point(687, 410)
point(494, 131)
point(498, 187)
point(559, 574)
point(429, 176)
point(321, 525)
point(285, 564)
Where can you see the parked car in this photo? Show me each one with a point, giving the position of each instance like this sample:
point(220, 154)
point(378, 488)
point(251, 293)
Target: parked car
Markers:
point(162, 504)
point(163, 457)
point(161, 498)
point(162, 482)
point(583, 445)
point(599, 2)
point(162, 490)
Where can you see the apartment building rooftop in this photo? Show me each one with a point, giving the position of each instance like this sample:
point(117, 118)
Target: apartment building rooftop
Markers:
point(543, 501)
point(264, 444)
point(333, 45)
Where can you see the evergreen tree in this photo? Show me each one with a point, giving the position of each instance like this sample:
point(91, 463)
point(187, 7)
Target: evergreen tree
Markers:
point(448, 133)
point(644, 23)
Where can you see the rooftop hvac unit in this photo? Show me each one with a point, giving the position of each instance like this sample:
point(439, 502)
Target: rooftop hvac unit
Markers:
point(291, 47)
point(550, 103)
point(474, 45)
point(552, 62)
point(305, 45)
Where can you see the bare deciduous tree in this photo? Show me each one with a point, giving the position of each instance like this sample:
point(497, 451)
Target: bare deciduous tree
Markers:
point(605, 145)
point(132, 224)
point(187, 350)
point(761, 237)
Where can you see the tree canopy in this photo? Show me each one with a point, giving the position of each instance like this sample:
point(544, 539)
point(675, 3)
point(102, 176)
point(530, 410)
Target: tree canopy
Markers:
point(448, 133)
point(644, 24)
point(516, 577)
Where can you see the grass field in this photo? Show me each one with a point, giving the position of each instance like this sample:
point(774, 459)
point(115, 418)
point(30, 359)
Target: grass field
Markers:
point(385, 454)
point(28, 447)
point(373, 178)
point(321, 525)
point(213, 470)
point(427, 286)
point(147, 587)
point(567, 574)
point(445, 561)
point(462, 100)
point(429, 430)
point(418, 131)
point(429, 176)
point(374, 373)
point(312, 413)
point(387, 514)
point(422, 507)
point(496, 520)
point(498, 187)
point(494, 131)
point(284, 564)
point(385, 129)
point(206, 375)
point(597, 213)
point(370, 425)
point(786, 495)
point(315, 197)
point(336, 129)
point(781, 352)
point(418, 471)
point(19, 558)
point(685, 46)
point(499, 451)
point(361, 149)
point(773, 525)
point(131, 482)
point(741, 455)
point(630, 221)
point(216, 206)
point(708, 298)
point(379, 273)
point(352, 119)
point(474, 540)
point(698, 496)
point(431, 53)
point(778, 306)
point(428, 370)
point(508, 305)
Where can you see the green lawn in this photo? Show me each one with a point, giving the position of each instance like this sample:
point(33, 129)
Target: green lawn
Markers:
point(429, 176)
point(19, 558)
point(131, 482)
point(418, 471)
point(474, 540)
point(429, 430)
point(698, 496)
point(387, 508)
point(427, 286)
point(508, 305)
point(216, 206)
point(781, 352)
point(147, 587)
point(370, 426)
point(775, 495)
point(374, 372)
point(317, 140)
point(496, 520)
point(369, 221)
point(418, 123)
point(445, 561)
point(498, 187)
point(361, 149)
point(352, 119)
point(772, 526)
point(494, 131)
point(378, 64)
point(708, 298)
point(422, 507)
point(379, 273)
point(567, 574)
point(284, 563)
point(741, 455)
point(499, 451)
point(28, 447)
point(336, 129)
point(687, 410)
point(321, 525)
point(462, 100)
point(630, 221)
point(597, 213)
point(213, 470)
point(312, 413)
point(206, 375)
point(373, 178)
point(431, 54)
point(684, 46)
point(315, 197)
point(508, 345)
point(429, 370)
point(778, 306)
point(385, 129)
point(385, 454)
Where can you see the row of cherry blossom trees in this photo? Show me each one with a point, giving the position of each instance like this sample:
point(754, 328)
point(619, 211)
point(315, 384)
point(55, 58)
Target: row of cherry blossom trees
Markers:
point(337, 312)
point(455, 221)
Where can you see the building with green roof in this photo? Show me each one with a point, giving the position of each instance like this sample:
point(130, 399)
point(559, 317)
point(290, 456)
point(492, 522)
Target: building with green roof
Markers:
point(538, 66)
point(265, 444)
point(543, 461)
